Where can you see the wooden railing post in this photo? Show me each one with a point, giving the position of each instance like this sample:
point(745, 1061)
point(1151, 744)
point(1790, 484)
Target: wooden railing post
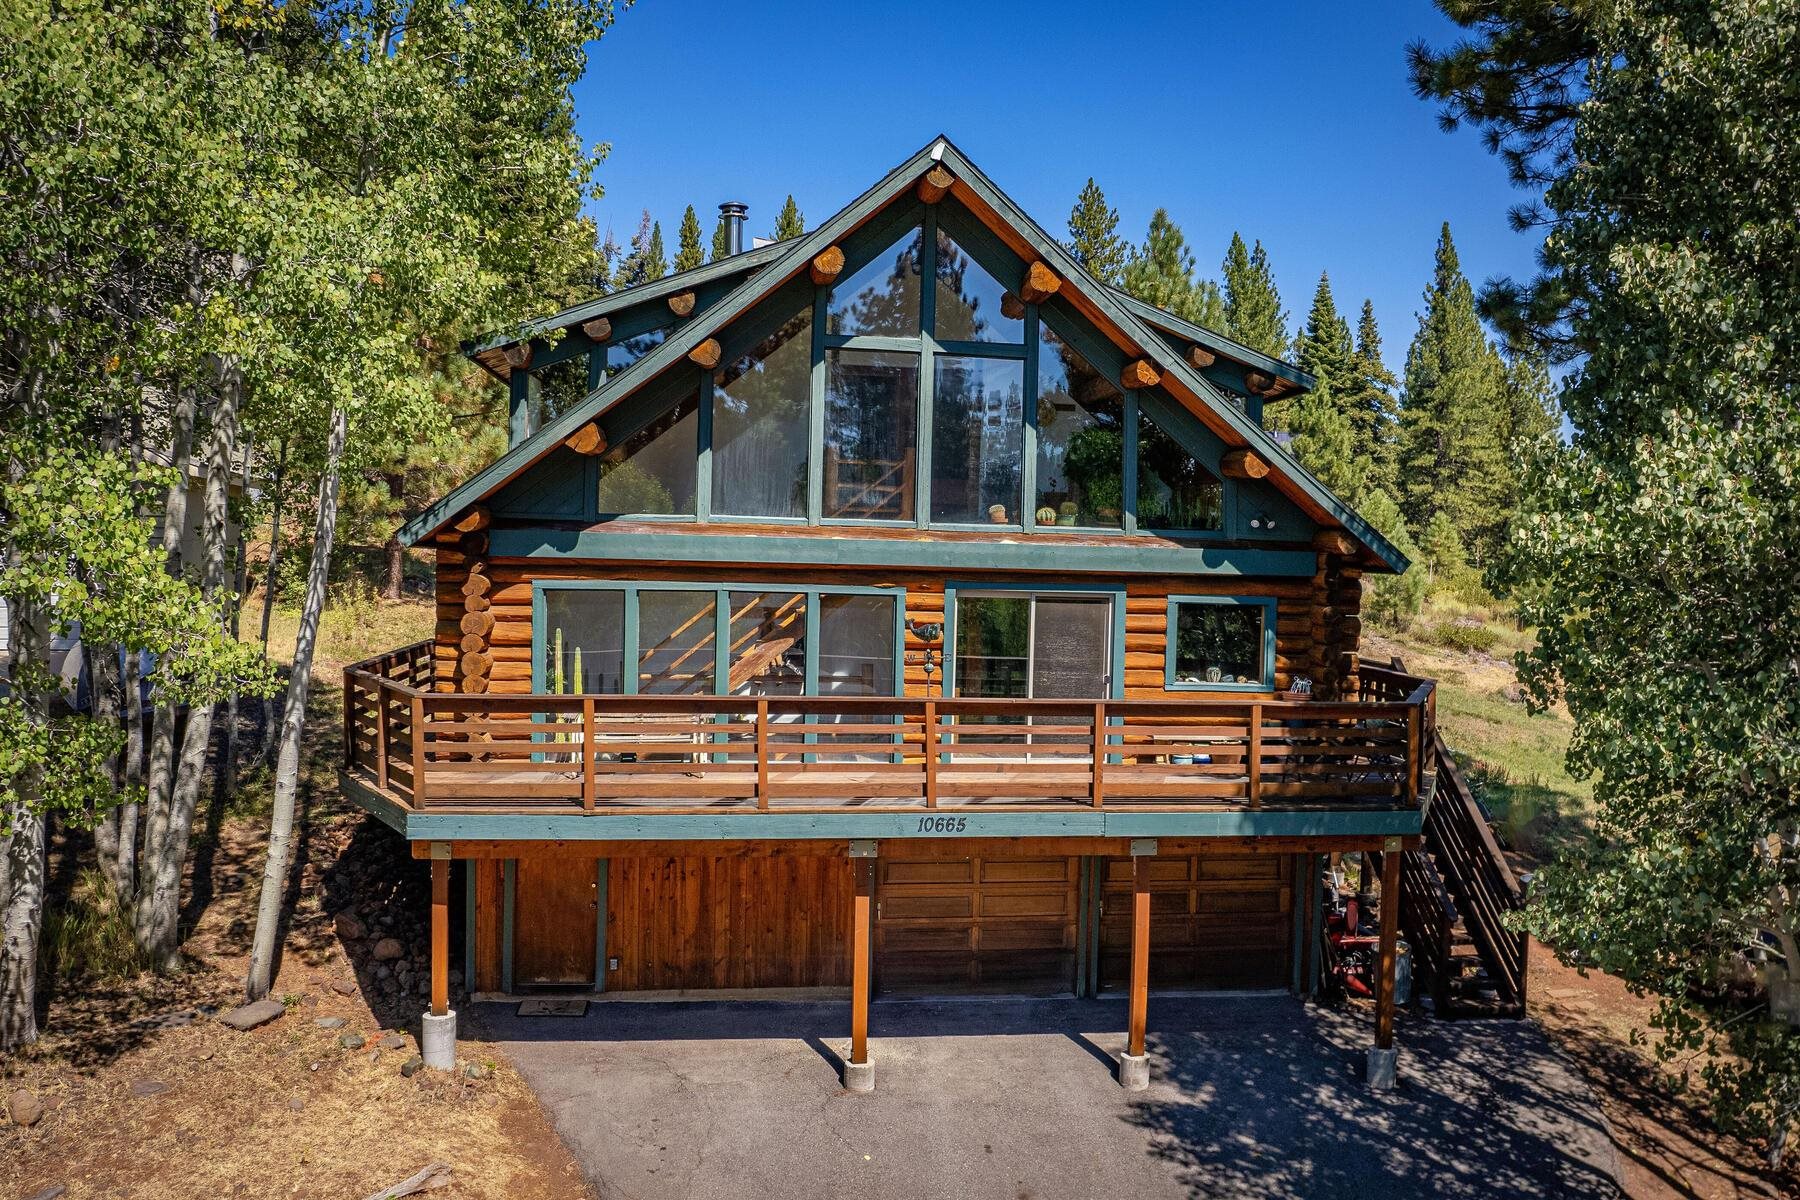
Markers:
point(418, 750)
point(762, 754)
point(1415, 759)
point(1099, 753)
point(381, 735)
point(588, 752)
point(349, 717)
point(931, 753)
point(1253, 756)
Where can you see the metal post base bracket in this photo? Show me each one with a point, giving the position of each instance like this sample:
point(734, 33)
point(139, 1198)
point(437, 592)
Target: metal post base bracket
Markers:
point(859, 1077)
point(1134, 1072)
point(437, 1041)
point(1383, 1068)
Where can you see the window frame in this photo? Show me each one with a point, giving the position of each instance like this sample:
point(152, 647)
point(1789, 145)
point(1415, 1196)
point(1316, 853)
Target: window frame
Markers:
point(1171, 635)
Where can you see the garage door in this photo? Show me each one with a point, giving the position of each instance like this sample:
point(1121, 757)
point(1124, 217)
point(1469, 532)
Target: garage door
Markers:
point(1215, 921)
point(960, 925)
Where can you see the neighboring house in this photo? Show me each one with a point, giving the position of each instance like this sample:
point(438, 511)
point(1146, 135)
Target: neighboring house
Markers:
point(898, 609)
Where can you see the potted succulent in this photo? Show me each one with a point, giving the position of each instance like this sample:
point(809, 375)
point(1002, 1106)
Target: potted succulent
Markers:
point(1067, 513)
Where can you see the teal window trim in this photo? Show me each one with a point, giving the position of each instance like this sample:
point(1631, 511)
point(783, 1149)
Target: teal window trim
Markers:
point(1266, 603)
point(721, 593)
point(1113, 591)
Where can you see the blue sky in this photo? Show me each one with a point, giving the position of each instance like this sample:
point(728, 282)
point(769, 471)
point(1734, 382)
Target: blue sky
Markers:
point(1290, 122)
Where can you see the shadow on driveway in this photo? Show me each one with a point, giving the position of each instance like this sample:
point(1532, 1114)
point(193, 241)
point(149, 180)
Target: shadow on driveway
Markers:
point(1251, 1097)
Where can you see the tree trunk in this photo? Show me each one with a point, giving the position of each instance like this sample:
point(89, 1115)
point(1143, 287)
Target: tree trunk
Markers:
point(268, 749)
point(159, 905)
point(161, 766)
point(293, 721)
point(396, 553)
point(22, 918)
point(239, 582)
point(104, 668)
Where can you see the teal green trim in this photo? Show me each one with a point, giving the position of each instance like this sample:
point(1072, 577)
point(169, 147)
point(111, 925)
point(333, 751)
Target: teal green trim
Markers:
point(1028, 448)
point(703, 464)
point(373, 802)
point(747, 824)
point(600, 869)
point(508, 889)
point(1266, 603)
point(522, 394)
point(1126, 557)
point(1129, 485)
point(1186, 331)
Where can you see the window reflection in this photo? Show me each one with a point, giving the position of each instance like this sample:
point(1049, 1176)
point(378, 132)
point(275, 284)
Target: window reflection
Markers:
point(675, 642)
point(1081, 440)
point(883, 297)
point(871, 412)
point(977, 439)
point(768, 644)
point(655, 470)
point(972, 306)
point(1219, 643)
point(622, 354)
point(760, 426)
point(1174, 491)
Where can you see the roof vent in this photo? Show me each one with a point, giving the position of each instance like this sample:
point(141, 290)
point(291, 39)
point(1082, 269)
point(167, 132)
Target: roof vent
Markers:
point(732, 212)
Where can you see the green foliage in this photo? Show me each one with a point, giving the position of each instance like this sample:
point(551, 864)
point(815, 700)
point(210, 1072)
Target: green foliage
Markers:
point(689, 253)
point(788, 222)
point(1393, 600)
point(1161, 272)
point(1094, 236)
point(1467, 636)
point(1367, 398)
point(1443, 548)
point(645, 262)
point(1252, 307)
point(1324, 435)
point(88, 938)
point(1453, 453)
point(1656, 552)
point(721, 239)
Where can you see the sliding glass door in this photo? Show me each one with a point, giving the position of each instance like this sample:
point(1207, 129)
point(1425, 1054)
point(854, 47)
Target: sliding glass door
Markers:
point(1033, 645)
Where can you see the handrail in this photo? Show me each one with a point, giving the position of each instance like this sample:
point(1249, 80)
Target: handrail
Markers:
point(607, 752)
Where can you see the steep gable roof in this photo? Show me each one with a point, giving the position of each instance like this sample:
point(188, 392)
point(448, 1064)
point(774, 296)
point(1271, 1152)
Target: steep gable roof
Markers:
point(1095, 301)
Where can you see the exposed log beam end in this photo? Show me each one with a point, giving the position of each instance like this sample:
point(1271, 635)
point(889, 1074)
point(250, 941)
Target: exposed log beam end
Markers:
point(518, 355)
point(478, 624)
point(1259, 383)
point(474, 685)
point(587, 440)
point(1200, 358)
point(706, 354)
point(1011, 307)
point(1243, 464)
point(826, 265)
point(1334, 541)
point(478, 663)
point(472, 644)
point(1039, 285)
point(935, 184)
point(598, 330)
point(682, 304)
point(1140, 373)
point(474, 545)
point(475, 520)
point(476, 585)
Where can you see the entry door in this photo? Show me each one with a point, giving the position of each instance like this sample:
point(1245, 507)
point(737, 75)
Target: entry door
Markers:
point(1047, 645)
point(555, 921)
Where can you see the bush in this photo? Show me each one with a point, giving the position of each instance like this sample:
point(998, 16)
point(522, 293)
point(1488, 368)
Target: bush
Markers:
point(1468, 637)
point(89, 936)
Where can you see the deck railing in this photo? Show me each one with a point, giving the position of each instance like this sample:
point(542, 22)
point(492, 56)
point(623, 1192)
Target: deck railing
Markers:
point(645, 753)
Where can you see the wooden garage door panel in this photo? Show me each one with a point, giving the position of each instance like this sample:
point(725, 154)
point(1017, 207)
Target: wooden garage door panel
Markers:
point(976, 925)
point(1218, 922)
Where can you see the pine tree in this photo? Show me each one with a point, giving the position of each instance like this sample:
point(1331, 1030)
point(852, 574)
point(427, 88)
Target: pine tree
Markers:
point(1161, 272)
point(1394, 600)
point(606, 264)
point(1324, 347)
point(1369, 402)
point(721, 242)
point(688, 253)
point(789, 223)
point(656, 264)
point(1322, 441)
point(1443, 549)
point(1253, 313)
point(1094, 236)
point(1452, 422)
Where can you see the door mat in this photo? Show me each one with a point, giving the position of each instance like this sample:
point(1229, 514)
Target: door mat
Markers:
point(553, 1006)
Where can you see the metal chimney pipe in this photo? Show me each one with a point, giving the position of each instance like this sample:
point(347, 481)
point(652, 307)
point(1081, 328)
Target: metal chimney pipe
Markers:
point(732, 213)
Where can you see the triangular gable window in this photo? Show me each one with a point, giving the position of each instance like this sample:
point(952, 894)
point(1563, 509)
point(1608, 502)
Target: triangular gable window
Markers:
point(881, 299)
point(971, 303)
point(1175, 491)
point(655, 469)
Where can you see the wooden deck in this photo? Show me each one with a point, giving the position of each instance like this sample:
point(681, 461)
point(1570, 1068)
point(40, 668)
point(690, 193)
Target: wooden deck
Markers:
point(447, 752)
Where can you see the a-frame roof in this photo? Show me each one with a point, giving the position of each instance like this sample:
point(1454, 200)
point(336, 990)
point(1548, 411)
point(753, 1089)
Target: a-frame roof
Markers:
point(1117, 316)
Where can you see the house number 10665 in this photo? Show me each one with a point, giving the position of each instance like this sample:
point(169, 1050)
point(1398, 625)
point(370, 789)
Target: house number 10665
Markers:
point(943, 824)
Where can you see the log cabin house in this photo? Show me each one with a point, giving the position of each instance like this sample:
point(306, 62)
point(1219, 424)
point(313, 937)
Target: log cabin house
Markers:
point(898, 609)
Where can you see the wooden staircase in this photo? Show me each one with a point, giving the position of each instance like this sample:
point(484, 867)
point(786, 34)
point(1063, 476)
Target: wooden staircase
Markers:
point(1456, 890)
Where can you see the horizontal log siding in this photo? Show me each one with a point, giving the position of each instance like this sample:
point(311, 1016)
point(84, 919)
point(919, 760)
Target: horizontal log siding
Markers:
point(1298, 623)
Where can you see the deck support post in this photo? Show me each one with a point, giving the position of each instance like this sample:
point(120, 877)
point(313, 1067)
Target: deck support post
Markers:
point(859, 1072)
point(437, 1038)
point(1134, 1064)
point(1383, 1058)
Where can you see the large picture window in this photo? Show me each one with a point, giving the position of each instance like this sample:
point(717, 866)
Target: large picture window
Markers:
point(1174, 491)
point(1221, 643)
point(1081, 440)
point(871, 429)
point(882, 298)
point(760, 427)
point(723, 639)
point(977, 439)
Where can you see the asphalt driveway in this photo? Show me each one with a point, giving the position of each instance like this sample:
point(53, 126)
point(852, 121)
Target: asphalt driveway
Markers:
point(1250, 1097)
